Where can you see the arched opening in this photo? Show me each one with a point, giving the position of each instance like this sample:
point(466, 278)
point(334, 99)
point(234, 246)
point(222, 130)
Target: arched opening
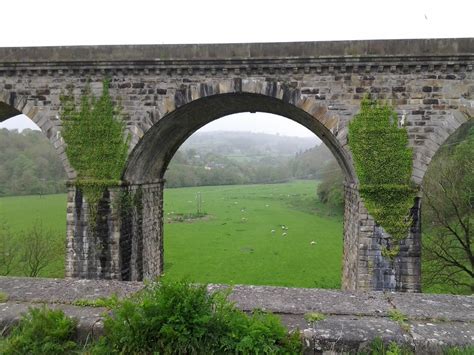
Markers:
point(32, 199)
point(448, 215)
point(151, 157)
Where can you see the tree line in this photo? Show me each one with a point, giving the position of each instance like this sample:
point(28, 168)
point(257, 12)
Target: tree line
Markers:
point(28, 164)
point(190, 167)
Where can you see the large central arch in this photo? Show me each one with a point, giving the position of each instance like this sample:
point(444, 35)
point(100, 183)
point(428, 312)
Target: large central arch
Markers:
point(142, 247)
point(151, 156)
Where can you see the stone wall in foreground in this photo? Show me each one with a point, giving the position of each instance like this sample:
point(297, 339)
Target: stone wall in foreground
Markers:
point(352, 320)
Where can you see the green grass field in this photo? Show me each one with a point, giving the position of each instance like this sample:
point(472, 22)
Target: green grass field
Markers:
point(234, 243)
point(22, 212)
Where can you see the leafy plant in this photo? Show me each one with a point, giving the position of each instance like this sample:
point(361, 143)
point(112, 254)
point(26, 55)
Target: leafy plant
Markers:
point(41, 331)
point(96, 142)
point(459, 350)
point(3, 297)
point(314, 317)
point(400, 318)
point(397, 316)
point(378, 347)
point(383, 162)
point(106, 302)
point(178, 317)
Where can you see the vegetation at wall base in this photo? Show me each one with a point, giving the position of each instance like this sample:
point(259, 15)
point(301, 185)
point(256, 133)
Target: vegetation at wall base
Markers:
point(183, 318)
point(383, 162)
point(41, 331)
point(97, 145)
point(379, 347)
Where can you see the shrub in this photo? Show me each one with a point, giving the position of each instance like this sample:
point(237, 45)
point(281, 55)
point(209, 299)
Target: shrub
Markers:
point(41, 331)
point(179, 317)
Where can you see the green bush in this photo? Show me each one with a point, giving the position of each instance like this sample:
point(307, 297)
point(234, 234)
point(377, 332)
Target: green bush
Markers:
point(41, 331)
point(181, 318)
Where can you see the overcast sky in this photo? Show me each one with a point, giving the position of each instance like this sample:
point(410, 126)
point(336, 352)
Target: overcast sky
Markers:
point(93, 22)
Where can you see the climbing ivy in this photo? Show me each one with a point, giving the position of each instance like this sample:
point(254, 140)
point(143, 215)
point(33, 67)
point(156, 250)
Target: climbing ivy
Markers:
point(96, 143)
point(383, 162)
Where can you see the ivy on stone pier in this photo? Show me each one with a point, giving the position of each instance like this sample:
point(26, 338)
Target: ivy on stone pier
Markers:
point(383, 162)
point(97, 145)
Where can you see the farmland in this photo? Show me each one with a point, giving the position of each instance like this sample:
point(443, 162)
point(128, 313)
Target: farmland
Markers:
point(277, 234)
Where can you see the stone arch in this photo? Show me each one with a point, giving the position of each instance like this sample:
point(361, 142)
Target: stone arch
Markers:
point(12, 105)
point(440, 132)
point(193, 106)
point(433, 195)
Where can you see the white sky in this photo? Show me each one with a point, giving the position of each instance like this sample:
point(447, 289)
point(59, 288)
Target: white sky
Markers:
point(93, 22)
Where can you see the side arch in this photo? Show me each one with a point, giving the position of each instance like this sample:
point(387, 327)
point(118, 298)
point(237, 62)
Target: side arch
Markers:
point(49, 123)
point(439, 133)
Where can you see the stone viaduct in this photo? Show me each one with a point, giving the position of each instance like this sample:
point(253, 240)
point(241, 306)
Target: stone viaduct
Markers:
point(169, 91)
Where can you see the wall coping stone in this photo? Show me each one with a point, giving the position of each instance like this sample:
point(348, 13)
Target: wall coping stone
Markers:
point(363, 48)
point(352, 321)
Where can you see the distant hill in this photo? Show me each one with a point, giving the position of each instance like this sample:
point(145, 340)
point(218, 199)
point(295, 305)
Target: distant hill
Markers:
point(231, 158)
point(248, 145)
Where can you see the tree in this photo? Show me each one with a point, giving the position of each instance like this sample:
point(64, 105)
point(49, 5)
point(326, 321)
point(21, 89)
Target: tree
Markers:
point(330, 189)
point(39, 249)
point(448, 214)
point(7, 249)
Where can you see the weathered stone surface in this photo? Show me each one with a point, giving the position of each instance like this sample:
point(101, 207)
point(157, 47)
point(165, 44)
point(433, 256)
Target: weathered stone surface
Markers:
point(167, 92)
point(27, 289)
point(431, 337)
point(351, 333)
point(427, 306)
point(305, 300)
point(352, 320)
